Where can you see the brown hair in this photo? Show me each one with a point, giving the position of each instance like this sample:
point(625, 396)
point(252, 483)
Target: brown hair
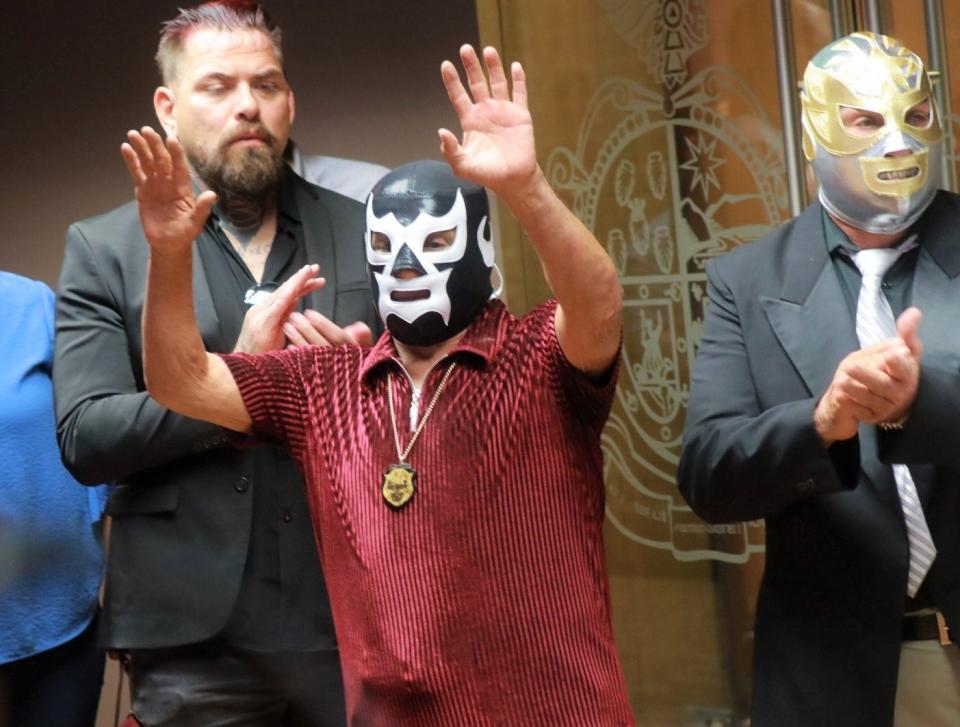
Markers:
point(224, 15)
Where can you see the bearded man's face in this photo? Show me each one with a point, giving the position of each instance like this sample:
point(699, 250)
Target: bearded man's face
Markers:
point(233, 110)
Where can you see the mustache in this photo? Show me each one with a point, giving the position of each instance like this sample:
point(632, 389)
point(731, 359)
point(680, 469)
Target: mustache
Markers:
point(257, 130)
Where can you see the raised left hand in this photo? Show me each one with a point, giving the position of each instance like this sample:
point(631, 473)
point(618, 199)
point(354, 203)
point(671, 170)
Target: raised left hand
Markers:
point(498, 149)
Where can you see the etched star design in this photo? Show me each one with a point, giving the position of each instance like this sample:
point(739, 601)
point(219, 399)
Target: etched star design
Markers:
point(702, 163)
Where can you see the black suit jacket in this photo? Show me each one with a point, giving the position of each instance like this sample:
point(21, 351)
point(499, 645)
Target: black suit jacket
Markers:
point(827, 636)
point(182, 504)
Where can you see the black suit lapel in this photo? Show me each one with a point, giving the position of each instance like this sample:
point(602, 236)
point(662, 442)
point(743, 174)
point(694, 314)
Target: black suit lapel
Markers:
point(935, 293)
point(811, 318)
point(813, 323)
point(936, 288)
point(940, 232)
point(936, 284)
point(319, 243)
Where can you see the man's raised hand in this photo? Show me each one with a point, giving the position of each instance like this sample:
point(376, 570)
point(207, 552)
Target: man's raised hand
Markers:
point(170, 214)
point(498, 148)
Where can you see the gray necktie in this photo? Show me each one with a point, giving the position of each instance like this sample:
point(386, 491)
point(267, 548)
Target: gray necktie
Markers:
point(875, 323)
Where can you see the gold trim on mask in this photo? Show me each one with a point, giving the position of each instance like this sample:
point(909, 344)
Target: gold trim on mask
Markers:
point(899, 186)
point(900, 83)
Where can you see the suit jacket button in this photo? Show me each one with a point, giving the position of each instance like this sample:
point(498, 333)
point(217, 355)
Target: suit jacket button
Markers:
point(287, 516)
point(243, 484)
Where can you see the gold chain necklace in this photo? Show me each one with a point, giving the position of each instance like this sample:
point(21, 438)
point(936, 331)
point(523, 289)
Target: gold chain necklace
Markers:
point(400, 480)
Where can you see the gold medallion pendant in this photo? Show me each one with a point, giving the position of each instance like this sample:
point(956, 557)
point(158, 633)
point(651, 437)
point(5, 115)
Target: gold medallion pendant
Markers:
point(400, 480)
point(399, 484)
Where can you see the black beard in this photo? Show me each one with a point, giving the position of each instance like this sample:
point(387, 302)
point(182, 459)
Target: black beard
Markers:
point(245, 188)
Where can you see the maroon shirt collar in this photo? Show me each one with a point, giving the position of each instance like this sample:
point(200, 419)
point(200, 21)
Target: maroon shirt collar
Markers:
point(481, 340)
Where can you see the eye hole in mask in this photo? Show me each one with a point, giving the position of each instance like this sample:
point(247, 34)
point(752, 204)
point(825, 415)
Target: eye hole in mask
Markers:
point(380, 242)
point(861, 122)
point(919, 116)
point(440, 240)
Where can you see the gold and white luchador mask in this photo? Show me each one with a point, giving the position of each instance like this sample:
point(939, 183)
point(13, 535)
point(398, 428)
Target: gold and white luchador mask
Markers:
point(881, 174)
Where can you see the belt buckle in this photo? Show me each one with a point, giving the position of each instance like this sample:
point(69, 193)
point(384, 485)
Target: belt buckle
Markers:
point(943, 630)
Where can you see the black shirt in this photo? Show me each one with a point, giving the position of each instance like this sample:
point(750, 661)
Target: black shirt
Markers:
point(281, 534)
point(897, 281)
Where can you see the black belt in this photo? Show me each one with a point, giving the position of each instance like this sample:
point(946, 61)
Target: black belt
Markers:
point(929, 627)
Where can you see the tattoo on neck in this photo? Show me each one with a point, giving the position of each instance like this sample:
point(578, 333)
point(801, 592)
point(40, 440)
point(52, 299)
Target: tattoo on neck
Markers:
point(241, 218)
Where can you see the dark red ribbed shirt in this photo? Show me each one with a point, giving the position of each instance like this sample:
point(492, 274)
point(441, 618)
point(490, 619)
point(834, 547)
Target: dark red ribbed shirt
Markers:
point(484, 601)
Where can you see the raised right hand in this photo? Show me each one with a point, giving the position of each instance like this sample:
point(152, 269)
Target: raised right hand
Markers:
point(170, 214)
point(498, 149)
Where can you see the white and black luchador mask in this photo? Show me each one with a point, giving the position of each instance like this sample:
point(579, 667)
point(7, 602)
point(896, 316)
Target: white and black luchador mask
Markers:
point(429, 250)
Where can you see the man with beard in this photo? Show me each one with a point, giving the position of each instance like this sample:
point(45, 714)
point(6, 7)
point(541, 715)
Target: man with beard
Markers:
point(454, 469)
point(213, 589)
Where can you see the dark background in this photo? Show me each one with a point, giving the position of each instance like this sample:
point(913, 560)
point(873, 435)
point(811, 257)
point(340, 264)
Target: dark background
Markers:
point(76, 76)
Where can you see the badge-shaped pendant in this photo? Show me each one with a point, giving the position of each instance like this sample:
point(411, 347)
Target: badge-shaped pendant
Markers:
point(399, 484)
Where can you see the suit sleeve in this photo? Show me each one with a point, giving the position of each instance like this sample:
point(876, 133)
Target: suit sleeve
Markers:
point(108, 427)
point(741, 461)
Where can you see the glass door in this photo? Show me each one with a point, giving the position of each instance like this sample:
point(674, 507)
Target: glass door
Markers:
point(658, 122)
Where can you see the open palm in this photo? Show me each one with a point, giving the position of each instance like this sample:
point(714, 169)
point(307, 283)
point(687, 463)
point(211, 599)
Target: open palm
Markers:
point(170, 213)
point(498, 148)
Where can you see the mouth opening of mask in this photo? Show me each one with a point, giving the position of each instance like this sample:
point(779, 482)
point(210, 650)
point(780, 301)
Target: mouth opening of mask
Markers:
point(893, 175)
point(405, 296)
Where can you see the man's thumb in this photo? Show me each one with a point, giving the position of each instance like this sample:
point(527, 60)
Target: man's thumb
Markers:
point(908, 327)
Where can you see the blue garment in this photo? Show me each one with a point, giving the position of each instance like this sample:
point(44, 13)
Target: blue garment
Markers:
point(51, 555)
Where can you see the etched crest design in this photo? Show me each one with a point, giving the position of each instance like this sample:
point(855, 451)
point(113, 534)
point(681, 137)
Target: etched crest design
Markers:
point(668, 176)
point(666, 33)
